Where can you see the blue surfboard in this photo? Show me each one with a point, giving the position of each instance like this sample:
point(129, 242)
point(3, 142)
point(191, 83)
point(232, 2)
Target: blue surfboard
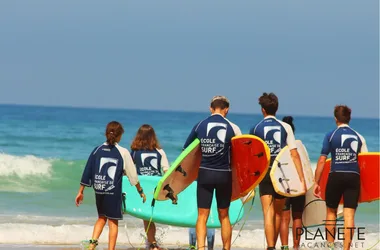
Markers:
point(183, 214)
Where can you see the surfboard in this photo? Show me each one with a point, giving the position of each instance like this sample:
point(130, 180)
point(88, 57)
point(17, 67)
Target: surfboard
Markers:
point(182, 172)
point(182, 215)
point(250, 159)
point(248, 197)
point(314, 213)
point(284, 174)
point(369, 177)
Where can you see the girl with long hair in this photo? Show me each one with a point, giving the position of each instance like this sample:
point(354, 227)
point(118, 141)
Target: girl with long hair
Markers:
point(150, 159)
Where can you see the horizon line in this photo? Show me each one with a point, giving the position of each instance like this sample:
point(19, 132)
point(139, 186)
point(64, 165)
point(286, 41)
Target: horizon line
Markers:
point(162, 110)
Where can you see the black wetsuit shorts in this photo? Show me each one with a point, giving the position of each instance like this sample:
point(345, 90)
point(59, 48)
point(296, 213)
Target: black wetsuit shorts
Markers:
point(210, 180)
point(343, 184)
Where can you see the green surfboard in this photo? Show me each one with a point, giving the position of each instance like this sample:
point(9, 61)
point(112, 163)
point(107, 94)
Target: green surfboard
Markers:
point(183, 214)
point(182, 173)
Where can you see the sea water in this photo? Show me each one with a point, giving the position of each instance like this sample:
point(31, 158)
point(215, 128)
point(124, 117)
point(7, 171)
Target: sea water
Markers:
point(44, 150)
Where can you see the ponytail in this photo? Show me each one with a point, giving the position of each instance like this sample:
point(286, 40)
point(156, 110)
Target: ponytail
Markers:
point(289, 120)
point(113, 131)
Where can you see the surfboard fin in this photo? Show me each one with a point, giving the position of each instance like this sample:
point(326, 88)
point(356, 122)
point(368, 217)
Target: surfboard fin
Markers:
point(170, 194)
point(180, 169)
point(279, 164)
point(282, 179)
point(256, 173)
point(172, 197)
point(261, 154)
point(293, 190)
point(247, 142)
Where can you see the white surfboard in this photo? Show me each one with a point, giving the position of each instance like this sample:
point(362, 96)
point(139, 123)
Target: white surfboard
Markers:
point(314, 213)
point(284, 174)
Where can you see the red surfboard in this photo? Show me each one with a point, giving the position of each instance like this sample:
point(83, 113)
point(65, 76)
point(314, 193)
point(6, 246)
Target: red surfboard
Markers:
point(250, 158)
point(369, 177)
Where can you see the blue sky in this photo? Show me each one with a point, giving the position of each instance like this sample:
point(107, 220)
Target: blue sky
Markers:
point(177, 54)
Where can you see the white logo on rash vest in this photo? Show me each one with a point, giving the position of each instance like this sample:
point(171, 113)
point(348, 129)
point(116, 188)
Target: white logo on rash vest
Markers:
point(221, 132)
point(101, 181)
point(272, 137)
point(216, 131)
point(150, 164)
point(354, 141)
point(348, 150)
point(149, 159)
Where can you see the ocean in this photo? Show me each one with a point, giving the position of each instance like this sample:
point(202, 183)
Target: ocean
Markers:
point(44, 150)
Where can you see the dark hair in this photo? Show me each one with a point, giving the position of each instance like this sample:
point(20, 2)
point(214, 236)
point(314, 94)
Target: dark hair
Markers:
point(145, 139)
point(113, 131)
point(220, 102)
point(289, 120)
point(269, 102)
point(342, 113)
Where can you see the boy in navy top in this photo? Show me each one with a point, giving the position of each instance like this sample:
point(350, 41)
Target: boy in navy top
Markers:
point(104, 171)
point(277, 134)
point(344, 144)
point(215, 134)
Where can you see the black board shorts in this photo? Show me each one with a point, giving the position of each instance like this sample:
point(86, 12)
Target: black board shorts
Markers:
point(210, 180)
point(109, 206)
point(297, 203)
point(266, 187)
point(343, 184)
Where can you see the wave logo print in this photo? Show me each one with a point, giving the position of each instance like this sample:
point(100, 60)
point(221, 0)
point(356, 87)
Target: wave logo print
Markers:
point(111, 170)
point(272, 136)
point(221, 131)
point(352, 140)
point(149, 160)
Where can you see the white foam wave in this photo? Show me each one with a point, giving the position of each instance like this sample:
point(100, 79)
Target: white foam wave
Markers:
point(23, 166)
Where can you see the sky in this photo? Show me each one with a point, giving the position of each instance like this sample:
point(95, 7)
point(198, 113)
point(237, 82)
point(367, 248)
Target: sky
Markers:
point(176, 55)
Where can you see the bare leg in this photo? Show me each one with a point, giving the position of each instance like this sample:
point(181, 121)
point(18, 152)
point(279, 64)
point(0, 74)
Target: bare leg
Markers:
point(98, 229)
point(278, 206)
point(151, 234)
point(330, 224)
point(297, 223)
point(201, 229)
point(114, 229)
point(225, 228)
point(284, 228)
point(349, 223)
point(269, 219)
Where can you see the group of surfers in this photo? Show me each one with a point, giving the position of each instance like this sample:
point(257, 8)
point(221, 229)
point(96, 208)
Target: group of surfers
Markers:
point(108, 162)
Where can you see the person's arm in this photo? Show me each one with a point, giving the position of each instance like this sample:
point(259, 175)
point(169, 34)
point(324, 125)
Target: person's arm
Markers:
point(326, 148)
point(291, 142)
point(86, 180)
point(131, 172)
point(164, 161)
point(364, 148)
point(318, 171)
point(79, 197)
point(192, 136)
